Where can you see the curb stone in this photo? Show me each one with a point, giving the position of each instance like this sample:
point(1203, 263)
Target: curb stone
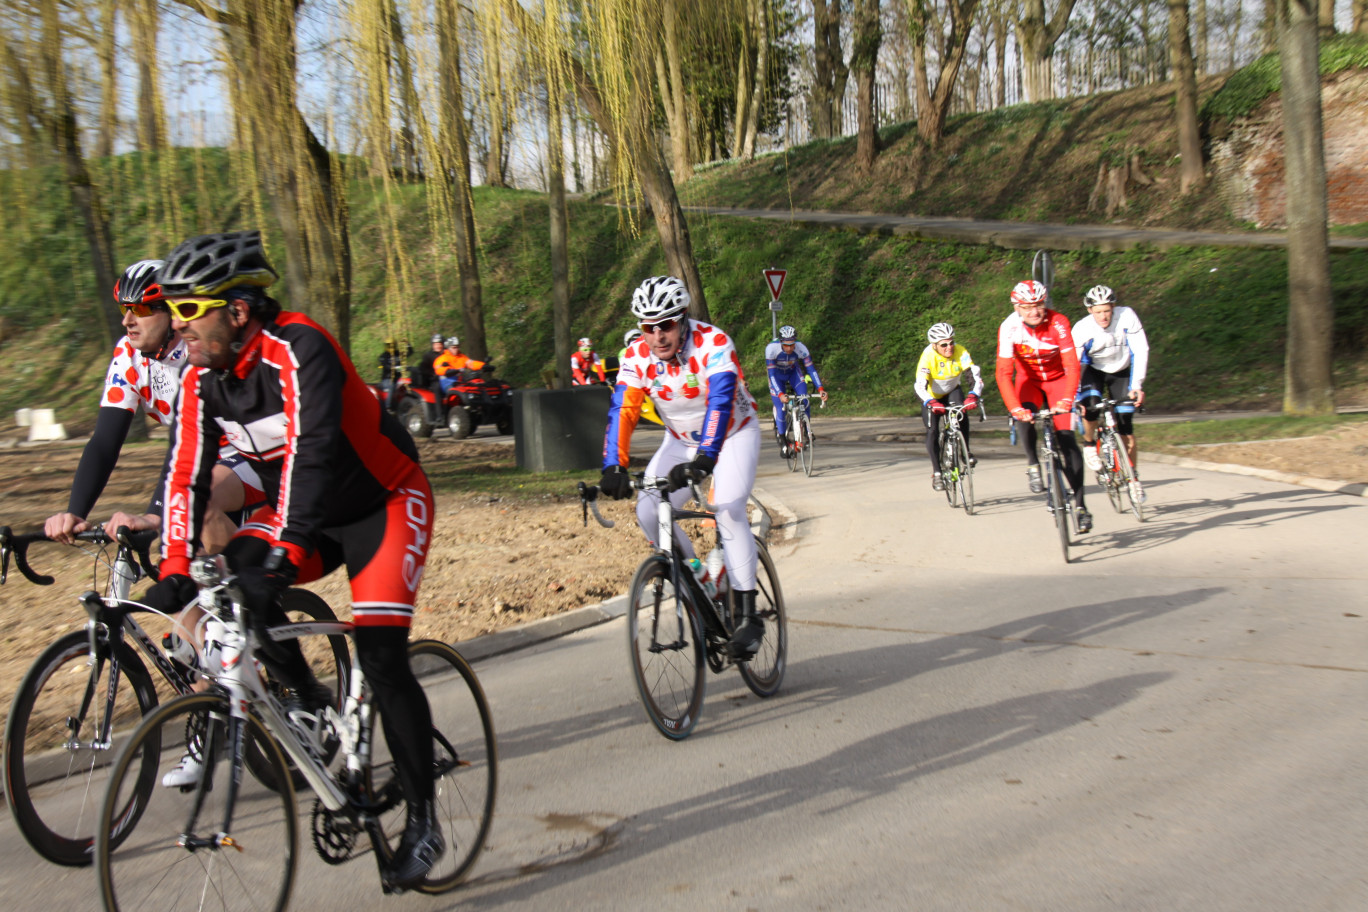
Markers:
point(1329, 486)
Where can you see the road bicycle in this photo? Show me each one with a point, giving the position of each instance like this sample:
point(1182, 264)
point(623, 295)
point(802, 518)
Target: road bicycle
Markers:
point(230, 840)
point(675, 627)
point(1058, 498)
point(78, 702)
point(798, 433)
point(957, 470)
point(1117, 473)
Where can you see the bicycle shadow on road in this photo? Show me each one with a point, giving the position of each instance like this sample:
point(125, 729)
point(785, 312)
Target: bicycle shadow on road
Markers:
point(869, 769)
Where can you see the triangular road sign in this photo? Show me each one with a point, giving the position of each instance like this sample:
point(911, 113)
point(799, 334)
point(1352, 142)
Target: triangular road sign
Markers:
point(774, 278)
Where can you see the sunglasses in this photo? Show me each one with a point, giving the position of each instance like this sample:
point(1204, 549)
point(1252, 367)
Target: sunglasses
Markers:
point(142, 310)
point(947, 343)
point(187, 309)
point(663, 326)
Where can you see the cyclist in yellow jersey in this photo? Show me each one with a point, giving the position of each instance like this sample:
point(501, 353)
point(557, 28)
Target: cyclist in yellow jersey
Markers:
point(940, 376)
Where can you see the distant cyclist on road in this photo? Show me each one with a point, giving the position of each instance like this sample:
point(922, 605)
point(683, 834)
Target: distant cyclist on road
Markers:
point(939, 383)
point(692, 372)
point(585, 364)
point(1114, 353)
point(789, 363)
point(1037, 369)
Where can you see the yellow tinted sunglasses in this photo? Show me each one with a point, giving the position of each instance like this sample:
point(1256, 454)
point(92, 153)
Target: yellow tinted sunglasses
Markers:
point(140, 309)
point(187, 309)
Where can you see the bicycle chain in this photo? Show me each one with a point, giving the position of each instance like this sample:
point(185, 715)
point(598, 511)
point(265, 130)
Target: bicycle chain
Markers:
point(334, 835)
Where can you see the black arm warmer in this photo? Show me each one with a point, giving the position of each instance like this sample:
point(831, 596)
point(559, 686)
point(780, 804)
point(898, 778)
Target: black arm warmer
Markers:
point(98, 459)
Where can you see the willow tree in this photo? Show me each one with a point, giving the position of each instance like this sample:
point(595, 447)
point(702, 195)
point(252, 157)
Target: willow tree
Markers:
point(302, 181)
point(612, 71)
point(1309, 383)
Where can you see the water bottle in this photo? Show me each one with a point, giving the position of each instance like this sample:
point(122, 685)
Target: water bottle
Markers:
point(716, 570)
point(182, 654)
point(700, 573)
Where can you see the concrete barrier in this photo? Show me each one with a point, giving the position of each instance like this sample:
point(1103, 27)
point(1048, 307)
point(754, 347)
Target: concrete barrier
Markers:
point(23, 417)
point(43, 425)
point(560, 430)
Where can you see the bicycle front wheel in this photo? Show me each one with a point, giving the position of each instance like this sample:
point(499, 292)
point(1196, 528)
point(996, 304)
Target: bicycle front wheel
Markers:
point(765, 671)
point(465, 764)
point(949, 470)
point(964, 475)
point(666, 644)
point(65, 727)
point(190, 849)
point(805, 444)
point(1127, 478)
point(1059, 504)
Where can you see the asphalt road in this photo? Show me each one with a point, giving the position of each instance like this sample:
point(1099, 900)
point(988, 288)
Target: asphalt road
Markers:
point(1174, 721)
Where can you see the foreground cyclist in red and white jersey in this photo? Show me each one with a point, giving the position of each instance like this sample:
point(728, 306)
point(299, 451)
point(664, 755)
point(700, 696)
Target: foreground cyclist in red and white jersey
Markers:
point(146, 369)
point(692, 373)
point(343, 485)
point(1037, 368)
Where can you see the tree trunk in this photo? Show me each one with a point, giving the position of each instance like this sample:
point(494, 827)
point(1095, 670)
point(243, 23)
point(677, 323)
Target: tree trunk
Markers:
point(1268, 27)
point(560, 244)
point(411, 120)
point(109, 81)
point(1360, 17)
point(1036, 38)
point(1202, 61)
point(1185, 97)
point(829, 70)
point(1310, 314)
point(1327, 18)
point(745, 78)
point(144, 27)
point(864, 59)
point(1000, 58)
point(455, 143)
point(933, 103)
point(764, 35)
point(679, 128)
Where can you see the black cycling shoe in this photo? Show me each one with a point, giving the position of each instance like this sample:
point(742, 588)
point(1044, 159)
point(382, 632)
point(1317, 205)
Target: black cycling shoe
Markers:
point(419, 848)
point(1084, 521)
point(750, 633)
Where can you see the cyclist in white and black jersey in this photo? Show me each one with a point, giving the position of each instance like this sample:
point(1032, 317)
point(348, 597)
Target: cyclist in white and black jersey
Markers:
point(1114, 354)
point(146, 369)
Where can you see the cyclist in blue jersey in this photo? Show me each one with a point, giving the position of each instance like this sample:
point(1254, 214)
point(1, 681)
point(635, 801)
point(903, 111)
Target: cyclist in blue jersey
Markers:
point(789, 363)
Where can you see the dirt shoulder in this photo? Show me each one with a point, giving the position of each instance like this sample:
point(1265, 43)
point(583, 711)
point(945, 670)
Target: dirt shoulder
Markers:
point(1341, 455)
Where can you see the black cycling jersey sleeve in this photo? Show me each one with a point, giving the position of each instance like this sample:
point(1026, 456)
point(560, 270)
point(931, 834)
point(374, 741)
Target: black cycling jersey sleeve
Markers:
point(98, 458)
point(158, 501)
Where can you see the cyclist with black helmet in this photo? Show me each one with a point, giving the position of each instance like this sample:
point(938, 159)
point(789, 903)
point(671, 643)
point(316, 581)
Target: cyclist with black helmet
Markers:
point(146, 369)
point(1114, 353)
point(939, 382)
point(343, 485)
point(1037, 369)
point(788, 364)
point(691, 371)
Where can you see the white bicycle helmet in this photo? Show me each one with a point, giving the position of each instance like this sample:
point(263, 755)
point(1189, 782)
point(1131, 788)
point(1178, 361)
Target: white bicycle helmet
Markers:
point(941, 332)
point(436, 337)
point(788, 334)
point(1099, 295)
point(452, 342)
point(659, 298)
point(1030, 292)
point(630, 336)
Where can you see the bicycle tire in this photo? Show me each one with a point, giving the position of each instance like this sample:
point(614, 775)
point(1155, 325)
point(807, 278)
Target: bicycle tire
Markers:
point(805, 442)
point(964, 476)
point(671, 689)
point(1060, 505)
point(53, 788)
point(334, 666)
point(1127, 480)
point(765, 671)
point(948, 470)
point(465, 765)
point(1108, 476)
point(149, 866)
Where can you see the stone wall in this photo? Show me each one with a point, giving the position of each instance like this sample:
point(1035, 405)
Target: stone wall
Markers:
point(1249, 168)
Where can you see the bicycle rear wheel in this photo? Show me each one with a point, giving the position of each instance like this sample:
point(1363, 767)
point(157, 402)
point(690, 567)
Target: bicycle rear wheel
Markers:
point(964, 475)
point(805, 444)
point(1059, 504)
point(765, 671)
point(465, 764)
point(174, 857)
point(666, 644)
point(61, 738)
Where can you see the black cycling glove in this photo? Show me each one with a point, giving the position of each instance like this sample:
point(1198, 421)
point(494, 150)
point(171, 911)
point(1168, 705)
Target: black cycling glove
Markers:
point(616, 483)
point(697, 470)
point(171, 593)
point(262, 588)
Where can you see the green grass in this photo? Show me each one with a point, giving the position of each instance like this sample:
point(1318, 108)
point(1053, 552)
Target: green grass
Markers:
point(1238, 430)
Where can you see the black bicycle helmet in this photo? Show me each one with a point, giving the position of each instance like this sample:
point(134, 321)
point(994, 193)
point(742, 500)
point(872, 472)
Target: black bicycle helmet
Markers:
point(213, 263)
point(138, 284)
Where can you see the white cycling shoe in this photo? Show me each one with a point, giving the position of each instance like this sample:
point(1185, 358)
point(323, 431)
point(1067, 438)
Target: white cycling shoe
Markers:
point(1090, 457)
point(185, 773)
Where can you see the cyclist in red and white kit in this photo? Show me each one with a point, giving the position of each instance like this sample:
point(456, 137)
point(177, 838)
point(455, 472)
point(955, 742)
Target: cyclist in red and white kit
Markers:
point(146, 370)
point(342, 482)
point(1037, 368)
point(691, 371)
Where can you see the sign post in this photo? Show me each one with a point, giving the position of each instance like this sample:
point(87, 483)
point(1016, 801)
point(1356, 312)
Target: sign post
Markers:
point(774, 280)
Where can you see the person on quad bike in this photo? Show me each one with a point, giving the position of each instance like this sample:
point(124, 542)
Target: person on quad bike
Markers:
point(424, 374)
point(452, 366)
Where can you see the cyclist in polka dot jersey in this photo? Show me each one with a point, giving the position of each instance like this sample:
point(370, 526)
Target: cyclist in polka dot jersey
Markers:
point(146, 369)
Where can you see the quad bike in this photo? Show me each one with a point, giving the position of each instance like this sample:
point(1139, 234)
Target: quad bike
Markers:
point(474, 400)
